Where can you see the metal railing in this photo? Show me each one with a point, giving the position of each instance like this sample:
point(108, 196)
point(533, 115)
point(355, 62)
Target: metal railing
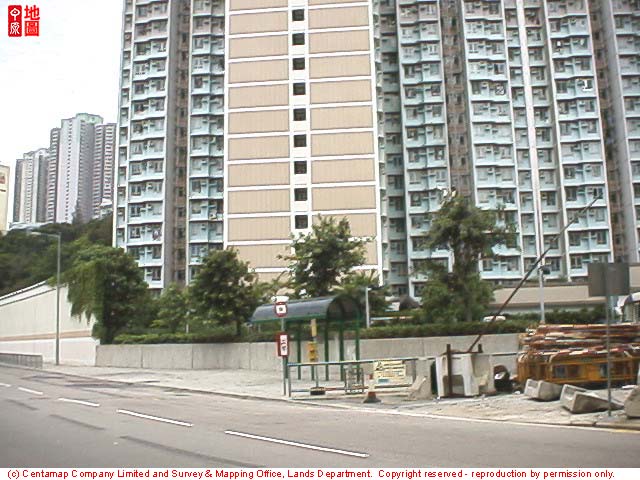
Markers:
point(351, 378)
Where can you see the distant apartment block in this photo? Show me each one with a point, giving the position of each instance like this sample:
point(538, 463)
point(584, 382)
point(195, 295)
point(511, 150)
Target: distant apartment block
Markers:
point(241, 122)
point(31, 179)
point(75, 173)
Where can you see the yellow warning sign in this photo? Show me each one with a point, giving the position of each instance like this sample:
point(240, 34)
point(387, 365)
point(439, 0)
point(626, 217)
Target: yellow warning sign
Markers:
point(390, 372)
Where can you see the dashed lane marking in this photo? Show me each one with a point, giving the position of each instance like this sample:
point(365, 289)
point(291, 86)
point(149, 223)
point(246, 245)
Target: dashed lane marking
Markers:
point(157, 419)
point(296, 444)
point(28, 390)
point(79, 402)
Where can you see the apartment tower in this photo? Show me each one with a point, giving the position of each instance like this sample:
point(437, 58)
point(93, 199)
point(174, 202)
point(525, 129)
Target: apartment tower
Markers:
point(242, 122)
point(29, 203)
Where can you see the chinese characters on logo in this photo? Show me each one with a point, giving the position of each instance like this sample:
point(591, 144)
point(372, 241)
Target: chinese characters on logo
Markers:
point(31, 27)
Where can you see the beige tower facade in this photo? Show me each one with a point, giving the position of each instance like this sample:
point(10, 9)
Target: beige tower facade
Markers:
point(300, 126)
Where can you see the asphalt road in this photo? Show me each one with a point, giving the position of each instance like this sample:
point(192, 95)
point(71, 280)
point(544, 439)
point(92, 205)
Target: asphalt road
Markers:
point(53, 420)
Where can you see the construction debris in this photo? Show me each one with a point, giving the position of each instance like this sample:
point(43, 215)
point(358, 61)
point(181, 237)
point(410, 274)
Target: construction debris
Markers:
point(541, 390)
point(632, 404)
point(581, 400)
point(576, 354)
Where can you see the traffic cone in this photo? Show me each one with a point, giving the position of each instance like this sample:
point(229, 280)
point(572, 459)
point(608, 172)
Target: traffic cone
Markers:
point(371, 396)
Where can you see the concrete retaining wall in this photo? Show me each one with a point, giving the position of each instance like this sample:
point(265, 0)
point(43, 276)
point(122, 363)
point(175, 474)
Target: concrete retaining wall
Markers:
point(33, 361)
point(262, 356)
point(28, 325)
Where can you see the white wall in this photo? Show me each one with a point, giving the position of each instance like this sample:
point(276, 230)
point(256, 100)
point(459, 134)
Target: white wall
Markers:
point(28, 325)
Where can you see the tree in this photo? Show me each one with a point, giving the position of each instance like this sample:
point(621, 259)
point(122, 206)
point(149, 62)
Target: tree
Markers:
point(354, 285)
point(106, 282)
point(471, 235)
point(322, 258)
point(171, 310)
point(223, 291)
point(27, 259)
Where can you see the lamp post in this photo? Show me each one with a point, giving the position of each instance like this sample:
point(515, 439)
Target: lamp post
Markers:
point(57, 236)
point(367, 315)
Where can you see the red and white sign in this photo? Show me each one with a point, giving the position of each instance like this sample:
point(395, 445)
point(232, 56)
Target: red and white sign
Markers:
point(31, 25)
point(281, 309)
point(282, 341)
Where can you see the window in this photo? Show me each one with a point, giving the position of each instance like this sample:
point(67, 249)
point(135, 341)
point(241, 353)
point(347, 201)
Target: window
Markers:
point(299, 89)
point(299, 141)
point(300, 114)
point(301, 221)
point(297, 15)
point(297, 39)
point(300, 167)
point(300, 194)
point(134, 232)
point(298, 64)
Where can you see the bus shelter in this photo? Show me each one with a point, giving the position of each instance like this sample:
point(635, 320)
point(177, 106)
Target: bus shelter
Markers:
point(338, 313)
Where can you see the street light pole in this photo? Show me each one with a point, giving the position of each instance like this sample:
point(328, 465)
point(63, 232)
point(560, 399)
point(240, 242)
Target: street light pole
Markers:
point(58, 301)
point(366, 306)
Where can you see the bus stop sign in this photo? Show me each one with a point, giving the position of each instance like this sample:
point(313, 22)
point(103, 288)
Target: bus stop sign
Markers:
point(282, 342)
point(281, 309)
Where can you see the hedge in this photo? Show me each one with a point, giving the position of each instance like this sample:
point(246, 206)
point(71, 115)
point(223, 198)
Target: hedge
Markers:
point(227, 334)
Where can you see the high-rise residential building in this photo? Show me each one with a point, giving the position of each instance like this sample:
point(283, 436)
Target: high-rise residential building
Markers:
point(29, 204)
point(74, 174)
point(74, 178)
point(4, 197)
point(617, 51)
point(243, 121)
point(103, 164)
point(52, 175)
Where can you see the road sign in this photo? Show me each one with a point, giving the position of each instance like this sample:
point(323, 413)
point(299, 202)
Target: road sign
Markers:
point(390, 372)
point(282, 343)
point(608, 279)
point(281, 309)
point(312, 351)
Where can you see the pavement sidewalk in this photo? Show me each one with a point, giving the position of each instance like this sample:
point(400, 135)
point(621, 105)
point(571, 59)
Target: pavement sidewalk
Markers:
point(248, 384)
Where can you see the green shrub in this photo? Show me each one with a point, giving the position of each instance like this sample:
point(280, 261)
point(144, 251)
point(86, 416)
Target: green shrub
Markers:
point(404, 330)
point(444, 329)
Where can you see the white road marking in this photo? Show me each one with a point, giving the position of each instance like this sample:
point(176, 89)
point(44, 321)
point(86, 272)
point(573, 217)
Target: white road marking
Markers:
point(4, 384)
point(158, 419)
point(79, 402)
point(28, 390)
point(296, 444)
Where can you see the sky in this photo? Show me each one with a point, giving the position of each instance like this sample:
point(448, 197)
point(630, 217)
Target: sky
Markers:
point(72, 67)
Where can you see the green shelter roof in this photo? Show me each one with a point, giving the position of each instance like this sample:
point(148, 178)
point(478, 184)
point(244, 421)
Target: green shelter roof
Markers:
point(338, 308)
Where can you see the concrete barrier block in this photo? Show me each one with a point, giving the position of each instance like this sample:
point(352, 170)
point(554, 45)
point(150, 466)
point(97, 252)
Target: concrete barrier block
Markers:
point(542, 390)
point(420, 390)
point(580, 400)
point(127, 356)
point(469, 376)
point(168, 356)
point(632, 404)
